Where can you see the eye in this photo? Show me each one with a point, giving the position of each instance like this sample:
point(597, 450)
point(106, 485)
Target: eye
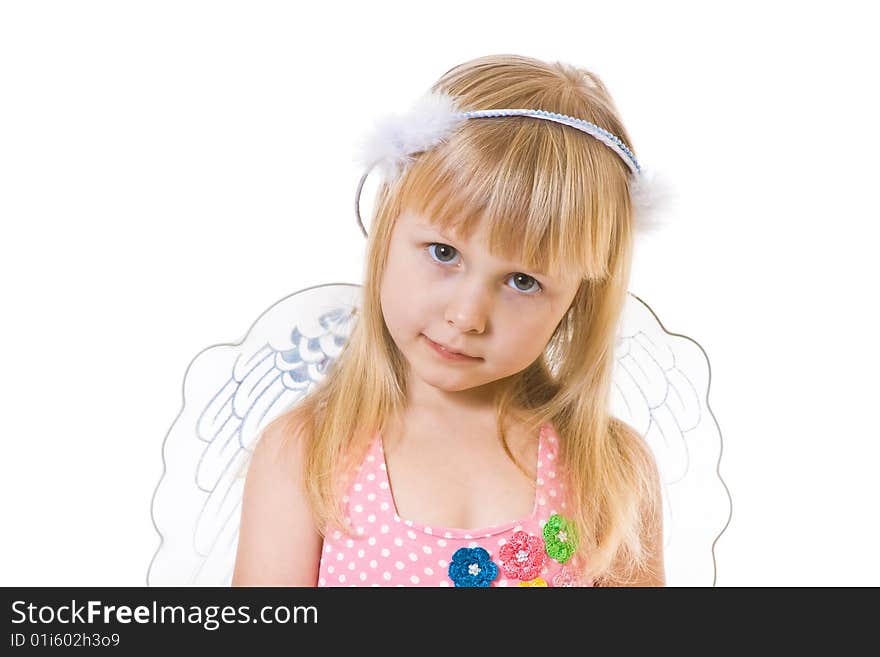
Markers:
point(444, 254)
point(443, 250)
point(532, 285)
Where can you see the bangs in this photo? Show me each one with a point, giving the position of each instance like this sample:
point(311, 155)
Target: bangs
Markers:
point(552, 196)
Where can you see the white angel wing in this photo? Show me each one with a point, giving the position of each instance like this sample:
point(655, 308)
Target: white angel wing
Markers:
point(231, 392)
point(660, 388)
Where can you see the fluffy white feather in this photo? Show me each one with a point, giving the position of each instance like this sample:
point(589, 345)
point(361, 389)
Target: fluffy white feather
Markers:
point(395, 139)
point(652, 196)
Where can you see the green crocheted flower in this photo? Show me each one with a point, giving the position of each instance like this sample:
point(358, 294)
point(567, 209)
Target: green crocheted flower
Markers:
point(560, 538)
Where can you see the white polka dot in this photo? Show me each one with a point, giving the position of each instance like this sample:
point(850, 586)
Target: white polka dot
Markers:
point(358, 487)
point(383, 485)
point(360, 531)
point(340, 556)
point(363, 576)
point(472, 544)
point(396, 518)
point(322, 582)
point(502, 541)
point(426, 550)
point(371, 540)
point(351, 565)
point(503, 582)
point(540, 463)
point(448, 534)
point(374, 584)
point(518, 528)
point(413, 556)
point(381, 466)
point(552, 474)
point(468, 536)
point(552, 492)
point(328, 548)
point(550, 456)
point(330, 569)
point(441, 542)
point(371, 517)
point(398, 565)
point(385, 552)
point(386, 576)
point(408, 523)
point(540, 481)
point(349, 543)
point(444, 583)
point(542, 501)
point(361, 553)
point(370, 476)
point(358, 508)
point(442, 564)
point(373, 563)
point(398, 541)
point(384, 506)
point(384, 529)
point(411, 534)
point(414, 579)
point(371, 458)
point(345, 498)
point(429, 571)
point(337, 534)
point(371, 496)
point(428, 530)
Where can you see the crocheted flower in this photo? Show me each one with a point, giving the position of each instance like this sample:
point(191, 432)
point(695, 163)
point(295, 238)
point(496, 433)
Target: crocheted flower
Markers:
point(560, 537)
point(523, 557)
point(534, 582)
point(564, 578)
point(472, 567)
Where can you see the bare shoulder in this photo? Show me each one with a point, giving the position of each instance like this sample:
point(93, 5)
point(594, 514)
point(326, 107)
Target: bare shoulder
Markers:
point(278, 543)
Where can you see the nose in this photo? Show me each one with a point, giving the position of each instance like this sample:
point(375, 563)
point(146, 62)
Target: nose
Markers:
point(469, 308)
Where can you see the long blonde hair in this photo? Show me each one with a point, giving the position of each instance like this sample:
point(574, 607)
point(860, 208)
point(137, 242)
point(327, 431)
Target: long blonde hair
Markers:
point(551, 194)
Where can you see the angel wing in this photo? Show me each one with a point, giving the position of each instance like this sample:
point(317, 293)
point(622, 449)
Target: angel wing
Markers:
point(231, 392)
point(660, 388)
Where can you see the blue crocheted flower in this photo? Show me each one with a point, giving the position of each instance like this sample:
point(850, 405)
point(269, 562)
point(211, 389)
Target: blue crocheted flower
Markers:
point(472, 567)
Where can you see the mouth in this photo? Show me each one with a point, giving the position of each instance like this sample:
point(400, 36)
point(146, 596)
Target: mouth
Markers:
point(447, 352)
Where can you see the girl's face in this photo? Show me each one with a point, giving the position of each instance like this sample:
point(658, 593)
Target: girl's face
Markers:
point(440, 289)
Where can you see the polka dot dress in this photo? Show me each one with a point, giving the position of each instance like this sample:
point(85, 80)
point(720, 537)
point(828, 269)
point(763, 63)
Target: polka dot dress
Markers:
point(387, 550)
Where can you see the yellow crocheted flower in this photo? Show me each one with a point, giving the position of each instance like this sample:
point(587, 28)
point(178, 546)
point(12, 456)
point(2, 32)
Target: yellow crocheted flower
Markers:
point(538, 581)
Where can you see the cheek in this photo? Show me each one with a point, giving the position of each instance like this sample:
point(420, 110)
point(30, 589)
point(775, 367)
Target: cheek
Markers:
point(524, 331)
point(400, 296)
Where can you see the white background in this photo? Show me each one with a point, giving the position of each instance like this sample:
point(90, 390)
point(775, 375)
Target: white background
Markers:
point(169, 170)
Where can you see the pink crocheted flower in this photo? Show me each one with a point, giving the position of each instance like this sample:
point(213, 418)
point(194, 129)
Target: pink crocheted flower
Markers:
point(522, 557)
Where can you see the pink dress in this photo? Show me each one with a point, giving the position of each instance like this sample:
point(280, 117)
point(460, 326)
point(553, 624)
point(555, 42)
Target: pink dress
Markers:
point(387, 550)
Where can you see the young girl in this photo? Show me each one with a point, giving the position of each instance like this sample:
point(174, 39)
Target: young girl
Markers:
point(463, 435)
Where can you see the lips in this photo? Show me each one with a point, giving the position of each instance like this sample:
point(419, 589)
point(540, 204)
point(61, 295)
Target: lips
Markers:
point(449, 349)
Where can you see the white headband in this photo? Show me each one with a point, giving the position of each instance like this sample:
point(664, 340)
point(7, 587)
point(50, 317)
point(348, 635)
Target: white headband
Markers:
point(433, 118)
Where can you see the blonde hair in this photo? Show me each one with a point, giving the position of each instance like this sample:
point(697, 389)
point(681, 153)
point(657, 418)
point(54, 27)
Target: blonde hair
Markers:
point(555, 198)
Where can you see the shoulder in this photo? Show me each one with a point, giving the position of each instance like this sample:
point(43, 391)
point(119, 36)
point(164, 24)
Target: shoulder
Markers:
point(278, 541)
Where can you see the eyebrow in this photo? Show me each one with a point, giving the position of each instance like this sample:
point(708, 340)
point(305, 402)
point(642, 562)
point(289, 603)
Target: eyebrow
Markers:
point(437, 230)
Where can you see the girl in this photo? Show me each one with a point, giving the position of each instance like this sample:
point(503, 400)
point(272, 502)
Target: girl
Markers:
point(463, 437)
